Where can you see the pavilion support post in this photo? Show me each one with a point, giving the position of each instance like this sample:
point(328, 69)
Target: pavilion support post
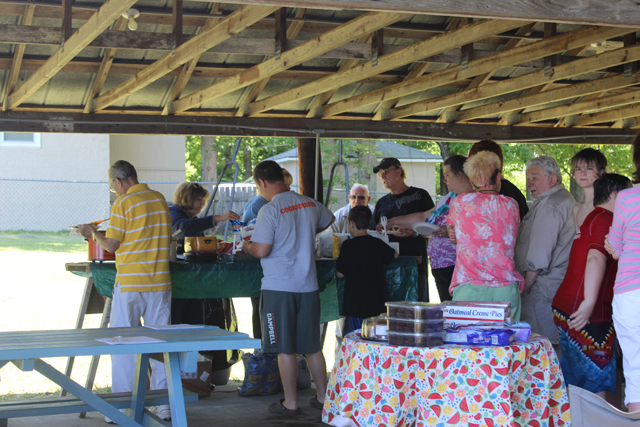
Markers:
point(307, 168)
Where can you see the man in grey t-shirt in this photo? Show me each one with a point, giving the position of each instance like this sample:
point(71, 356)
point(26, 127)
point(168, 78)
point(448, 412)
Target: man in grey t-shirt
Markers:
point(284, 239)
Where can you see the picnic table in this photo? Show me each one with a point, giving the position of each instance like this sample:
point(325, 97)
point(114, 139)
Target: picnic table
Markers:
point(179, 347)
point(222, 280)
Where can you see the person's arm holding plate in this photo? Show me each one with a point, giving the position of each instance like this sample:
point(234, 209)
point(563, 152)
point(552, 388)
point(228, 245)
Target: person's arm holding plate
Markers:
point(406, 221)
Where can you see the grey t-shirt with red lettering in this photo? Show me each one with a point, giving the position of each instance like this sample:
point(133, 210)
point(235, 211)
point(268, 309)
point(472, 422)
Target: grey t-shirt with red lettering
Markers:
point(288, 223)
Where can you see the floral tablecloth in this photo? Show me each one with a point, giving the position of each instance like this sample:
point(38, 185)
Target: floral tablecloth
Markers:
point(375, 384)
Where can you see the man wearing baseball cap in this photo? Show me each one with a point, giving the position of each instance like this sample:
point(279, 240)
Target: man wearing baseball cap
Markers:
point(403, 200)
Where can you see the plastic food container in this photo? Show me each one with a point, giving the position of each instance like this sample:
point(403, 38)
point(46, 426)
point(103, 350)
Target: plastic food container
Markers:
point(375, 328)
point(414, 310)
point(415, 325)
point(410, 339)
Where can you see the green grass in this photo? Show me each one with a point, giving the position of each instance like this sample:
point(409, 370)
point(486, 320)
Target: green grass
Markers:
point(60, 242)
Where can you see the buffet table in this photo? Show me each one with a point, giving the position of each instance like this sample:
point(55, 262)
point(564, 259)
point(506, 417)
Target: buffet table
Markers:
point(383, 385)
point(219, 280)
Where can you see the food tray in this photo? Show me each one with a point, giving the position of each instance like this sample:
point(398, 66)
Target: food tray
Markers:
point(415, 325)
point(375, 328)
point(414, 310)
point(239, 258)
point(408, 339)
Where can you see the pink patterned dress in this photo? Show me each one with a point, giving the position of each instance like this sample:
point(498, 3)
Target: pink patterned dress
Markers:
point(486, 227)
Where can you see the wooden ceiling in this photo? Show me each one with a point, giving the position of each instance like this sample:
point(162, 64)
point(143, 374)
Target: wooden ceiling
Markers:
point(411, 69)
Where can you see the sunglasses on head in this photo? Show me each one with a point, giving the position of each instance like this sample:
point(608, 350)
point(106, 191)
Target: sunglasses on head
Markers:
point(351, 196)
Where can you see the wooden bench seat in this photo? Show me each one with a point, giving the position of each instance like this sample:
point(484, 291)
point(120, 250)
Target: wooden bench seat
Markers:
point(70, 404)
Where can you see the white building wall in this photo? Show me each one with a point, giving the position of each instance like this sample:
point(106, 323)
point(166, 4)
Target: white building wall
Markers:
point(159, 159)
point(54, 203)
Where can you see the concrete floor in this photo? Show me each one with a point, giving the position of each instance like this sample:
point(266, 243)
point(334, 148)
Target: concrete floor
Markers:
point(224, 408)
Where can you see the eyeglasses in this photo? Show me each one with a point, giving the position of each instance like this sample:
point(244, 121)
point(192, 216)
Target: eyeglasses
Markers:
point(353, 197)
point(385, 172)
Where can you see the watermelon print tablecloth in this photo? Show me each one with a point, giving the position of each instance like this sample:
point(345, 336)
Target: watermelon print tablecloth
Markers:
point(375, 384)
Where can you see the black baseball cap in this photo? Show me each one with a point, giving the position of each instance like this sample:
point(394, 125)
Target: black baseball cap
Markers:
point(386, 163)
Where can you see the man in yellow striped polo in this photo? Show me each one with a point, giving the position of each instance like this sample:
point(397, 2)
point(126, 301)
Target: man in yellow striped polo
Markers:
point(139, 234)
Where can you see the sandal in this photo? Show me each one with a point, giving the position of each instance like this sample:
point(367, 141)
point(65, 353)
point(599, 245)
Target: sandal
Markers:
point(278, 408)
point(315, 403)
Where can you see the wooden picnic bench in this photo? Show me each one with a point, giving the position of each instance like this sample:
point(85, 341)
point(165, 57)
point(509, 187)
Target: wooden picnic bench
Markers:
point(179, 347)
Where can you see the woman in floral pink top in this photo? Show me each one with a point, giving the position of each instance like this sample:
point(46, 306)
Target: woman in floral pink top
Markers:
point(484, 226)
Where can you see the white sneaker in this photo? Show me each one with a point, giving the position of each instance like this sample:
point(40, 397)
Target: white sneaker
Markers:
point(109, 420)
point(163, 412)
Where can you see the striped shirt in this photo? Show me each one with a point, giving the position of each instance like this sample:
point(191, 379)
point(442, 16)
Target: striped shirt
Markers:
point(140, 222)
point(624, 236)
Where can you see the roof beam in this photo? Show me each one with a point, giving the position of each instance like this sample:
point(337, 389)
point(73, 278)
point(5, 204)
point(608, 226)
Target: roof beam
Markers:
point(233, 24)
point(607, 116)
point(256, 89)
point(296, 127)
point(17, 57)
point(309, 50)
point(593, 12)
point(437, 44)
point(565, 71)
point(568, 92)
point(325, 97)
point(240, 45)
point(484, 78)
point(100, 21)
point(582, 106)
point(203, 71)
point(101, 76)
point(416, 71)
point(187, 69)
point(542, 48)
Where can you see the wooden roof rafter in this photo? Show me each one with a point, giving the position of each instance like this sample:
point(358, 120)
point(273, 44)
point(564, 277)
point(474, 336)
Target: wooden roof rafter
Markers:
point(99, 21)
point(438, 44)
point(233, 24)
point(450, 63)
point(365, 23)
point(557, 44)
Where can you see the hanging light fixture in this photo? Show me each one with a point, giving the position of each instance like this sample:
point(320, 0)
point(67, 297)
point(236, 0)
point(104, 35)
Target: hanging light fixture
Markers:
point(131, 16)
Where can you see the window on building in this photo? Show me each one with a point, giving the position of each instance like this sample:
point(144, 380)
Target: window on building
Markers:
point(19, 140)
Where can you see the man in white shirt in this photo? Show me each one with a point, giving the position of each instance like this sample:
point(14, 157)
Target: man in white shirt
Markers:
point(359, 196)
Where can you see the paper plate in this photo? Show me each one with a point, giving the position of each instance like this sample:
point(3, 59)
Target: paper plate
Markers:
point(424, 228)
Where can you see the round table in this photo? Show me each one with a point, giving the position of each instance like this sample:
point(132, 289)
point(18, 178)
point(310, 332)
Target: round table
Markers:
point(376, 384)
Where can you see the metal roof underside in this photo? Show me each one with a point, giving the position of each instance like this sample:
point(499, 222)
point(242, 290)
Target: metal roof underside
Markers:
point(390, 64)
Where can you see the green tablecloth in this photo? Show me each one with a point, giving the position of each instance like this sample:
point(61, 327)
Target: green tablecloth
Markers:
point(218, 280)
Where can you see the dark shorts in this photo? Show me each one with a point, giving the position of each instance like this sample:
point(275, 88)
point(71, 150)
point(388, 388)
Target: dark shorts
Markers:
point(290, 322)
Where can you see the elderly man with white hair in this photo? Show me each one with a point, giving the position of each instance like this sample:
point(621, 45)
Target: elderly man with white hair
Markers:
point(544, 243)
point(359, 196)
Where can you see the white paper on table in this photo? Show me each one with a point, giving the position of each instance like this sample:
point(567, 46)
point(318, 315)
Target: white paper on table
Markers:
point(129, 340)
point(178, 326)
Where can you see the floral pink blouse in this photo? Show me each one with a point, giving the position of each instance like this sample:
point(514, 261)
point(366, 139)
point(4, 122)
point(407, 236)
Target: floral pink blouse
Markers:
point(486, 227)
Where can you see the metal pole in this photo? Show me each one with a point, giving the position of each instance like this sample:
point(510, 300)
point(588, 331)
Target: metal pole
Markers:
point(233, 189)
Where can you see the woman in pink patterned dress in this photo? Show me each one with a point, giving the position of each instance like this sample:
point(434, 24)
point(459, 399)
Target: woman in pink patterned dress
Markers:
point(484, 226)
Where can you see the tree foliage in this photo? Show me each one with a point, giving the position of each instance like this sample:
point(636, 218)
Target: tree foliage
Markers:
point(251, 151)
point(362, 154)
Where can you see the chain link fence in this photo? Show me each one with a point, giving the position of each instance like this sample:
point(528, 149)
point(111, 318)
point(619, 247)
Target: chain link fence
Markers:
point(55, 205)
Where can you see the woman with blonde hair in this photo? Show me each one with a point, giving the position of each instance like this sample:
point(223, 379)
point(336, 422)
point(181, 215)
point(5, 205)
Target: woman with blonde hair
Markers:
point(484, 226)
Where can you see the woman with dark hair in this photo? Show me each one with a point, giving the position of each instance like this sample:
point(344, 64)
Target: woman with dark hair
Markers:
point(484, 226)
point(623, 242)
point(442, 253)
point(588, 165)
